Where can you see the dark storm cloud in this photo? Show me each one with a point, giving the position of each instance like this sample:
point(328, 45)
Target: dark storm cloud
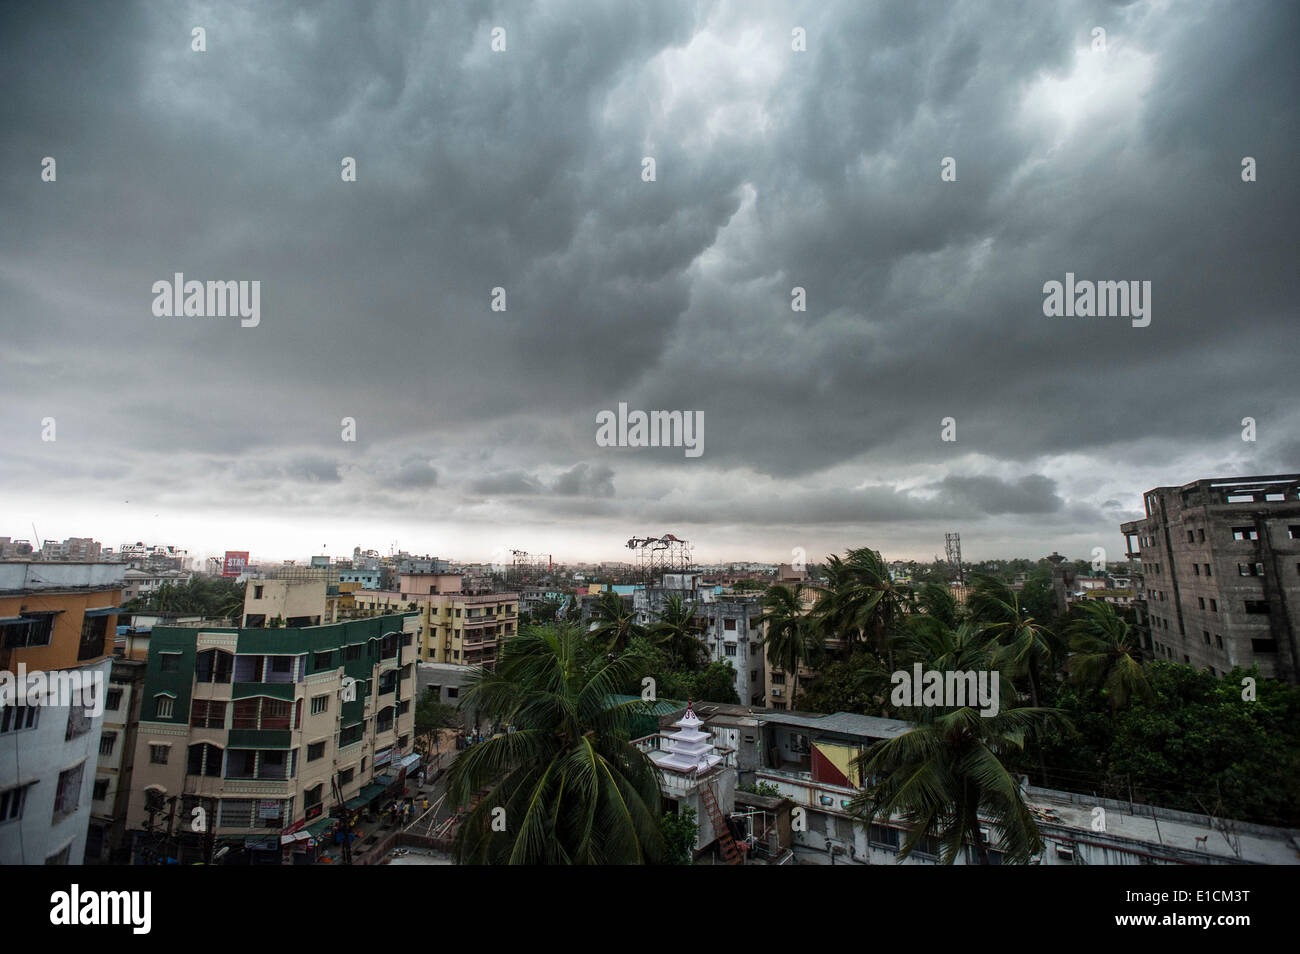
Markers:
point(521, 170)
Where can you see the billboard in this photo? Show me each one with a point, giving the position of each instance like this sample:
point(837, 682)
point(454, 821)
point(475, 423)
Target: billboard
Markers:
point(235, 563)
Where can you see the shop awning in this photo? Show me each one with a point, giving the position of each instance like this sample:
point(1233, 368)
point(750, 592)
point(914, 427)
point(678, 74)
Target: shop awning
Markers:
point(410, 763)
point(261, 844)
point(318, 826)
point(296, 836)
point(13, 621)
point(366, 795)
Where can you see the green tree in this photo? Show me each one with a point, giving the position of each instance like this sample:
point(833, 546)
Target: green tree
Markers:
point(1106, 657)
point(945, 774)
point(677, 631)
point(861, 600)
point(573, 788)
point(858, 684)
point(680, 832)
point(613, 622)
point(788, 633)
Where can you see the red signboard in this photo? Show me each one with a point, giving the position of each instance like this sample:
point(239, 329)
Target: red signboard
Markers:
point(235, 563)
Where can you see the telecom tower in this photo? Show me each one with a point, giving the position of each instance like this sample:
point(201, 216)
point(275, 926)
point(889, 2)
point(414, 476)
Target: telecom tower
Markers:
point(952, 545)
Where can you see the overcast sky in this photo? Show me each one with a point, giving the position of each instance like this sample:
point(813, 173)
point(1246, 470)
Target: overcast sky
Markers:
point(522, 169)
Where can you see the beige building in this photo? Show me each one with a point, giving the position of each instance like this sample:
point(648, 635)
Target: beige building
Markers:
point(291, 603)
point(455, 627)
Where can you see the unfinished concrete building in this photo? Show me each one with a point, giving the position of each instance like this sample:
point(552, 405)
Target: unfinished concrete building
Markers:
point(1221, 566)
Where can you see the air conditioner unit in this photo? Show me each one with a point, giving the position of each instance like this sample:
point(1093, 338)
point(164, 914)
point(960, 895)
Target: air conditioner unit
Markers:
point(776, 692)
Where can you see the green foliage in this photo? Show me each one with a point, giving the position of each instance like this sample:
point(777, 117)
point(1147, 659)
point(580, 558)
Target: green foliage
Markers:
point(432, 714)
point(857, 684)
point(1196, 742)
point(202, 596)
point(761, 788)
point(680, 831)
point(565, 785)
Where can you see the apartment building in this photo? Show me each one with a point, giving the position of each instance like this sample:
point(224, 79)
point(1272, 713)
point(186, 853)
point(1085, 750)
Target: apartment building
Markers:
point(733, 631)
point(56, 619)
point(1220, 562)
point(250, 735)
point(106, 841)
point(455, 627)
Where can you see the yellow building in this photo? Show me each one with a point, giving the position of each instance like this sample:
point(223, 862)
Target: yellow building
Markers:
point(455, 627)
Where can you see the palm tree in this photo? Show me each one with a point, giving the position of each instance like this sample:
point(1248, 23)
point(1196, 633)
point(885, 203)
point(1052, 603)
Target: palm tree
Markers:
point(676, 630)
point(1106, 656)
point(969, 646)
point(1027, 644)
point(572, 787)
point(935, 599)
point(862, 601)
point(788, 632)
point(946, 774)
point(613, 623)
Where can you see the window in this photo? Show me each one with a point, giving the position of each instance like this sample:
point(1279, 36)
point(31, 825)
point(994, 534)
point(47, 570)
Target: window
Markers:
point(68, 793)
point(113, 700)
point(257, 592)
point(1196, 568)
point(213, 665)
point(316, 750)
point(1264, 645)
point(352, 653)
point(163, 706)
point(37, 631)
point(1218, 641)
point(1207, 570)
point(346, 776)
point(106, 743)
point(1250, 569)
point(11, 802)
point(312, 796)
point(778, 678)
point(60, 857)
point(158, 754)
point(204, 759)
point(350, 735)
point(170, 662)
point(320, 704)
point(1207, 636)
point(323, 660)
point(1190, 537)
point(731, 649)
point(1200, 534)
point(1214, 605)
point(17, 718)
point(94, 630)
point(208, 714)
point(1201, 601)
point(1294, 532)
point(236, 813)
point(1257, 607)
point(1245, 533)
point(882, 836)
point(453, 692)
point(729, 625)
